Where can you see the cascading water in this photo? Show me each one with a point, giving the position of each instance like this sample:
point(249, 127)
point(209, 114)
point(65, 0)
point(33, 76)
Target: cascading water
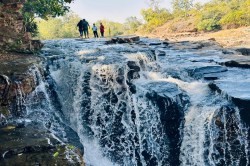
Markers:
point(127, 110)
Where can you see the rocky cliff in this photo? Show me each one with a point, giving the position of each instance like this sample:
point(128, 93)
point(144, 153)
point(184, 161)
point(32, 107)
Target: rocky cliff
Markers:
point(13, 35)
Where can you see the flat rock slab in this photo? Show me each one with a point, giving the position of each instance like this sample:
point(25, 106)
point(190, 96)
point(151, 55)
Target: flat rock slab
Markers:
point(155, 43)
point(238, 92)
point(243, 63)
point(212, 76)
point(243, 51)
point(201, 71)
point(163, 89)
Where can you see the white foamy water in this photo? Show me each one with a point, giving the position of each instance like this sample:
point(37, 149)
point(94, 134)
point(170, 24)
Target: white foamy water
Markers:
point(111, 96)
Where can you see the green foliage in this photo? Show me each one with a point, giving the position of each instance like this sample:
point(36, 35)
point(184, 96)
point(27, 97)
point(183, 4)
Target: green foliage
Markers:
point(132, 25)
point(64, 27)
point(71, 147)
point(232, 13)
point(214, 15)
point(56, 154)
point(211, 15)
point(111, 28)
point(155, 18)
point(208, 25)
point(181, 7)
point(43, 9)
point(238, 17)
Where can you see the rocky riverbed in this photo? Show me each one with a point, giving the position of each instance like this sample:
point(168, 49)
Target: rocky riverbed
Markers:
point(127, 101)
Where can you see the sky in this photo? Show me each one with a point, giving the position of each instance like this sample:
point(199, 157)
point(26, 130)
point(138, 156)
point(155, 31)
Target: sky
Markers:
point(114, 10)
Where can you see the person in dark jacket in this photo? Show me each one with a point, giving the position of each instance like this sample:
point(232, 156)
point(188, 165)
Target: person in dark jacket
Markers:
point(85, 28)
point(102, 30)
point(80, 27)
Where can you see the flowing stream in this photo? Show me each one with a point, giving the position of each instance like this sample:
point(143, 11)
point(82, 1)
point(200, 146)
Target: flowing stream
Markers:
point(128, 106)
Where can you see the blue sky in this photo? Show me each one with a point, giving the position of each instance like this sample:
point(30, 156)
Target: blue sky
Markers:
point(115, 10)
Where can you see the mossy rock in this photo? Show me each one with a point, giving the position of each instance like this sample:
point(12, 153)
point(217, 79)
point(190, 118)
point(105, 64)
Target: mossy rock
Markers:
point(4, 111)
point(29, 145)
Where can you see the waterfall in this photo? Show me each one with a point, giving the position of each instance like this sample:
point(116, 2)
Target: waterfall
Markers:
point(128, 110)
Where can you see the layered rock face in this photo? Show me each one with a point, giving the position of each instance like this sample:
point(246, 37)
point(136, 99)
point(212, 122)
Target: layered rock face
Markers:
point(12, 93)
point(13, 36)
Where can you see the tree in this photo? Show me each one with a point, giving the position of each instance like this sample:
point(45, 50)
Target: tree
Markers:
point(154, 4)
point(42, 9)
point(63, 27)
point(112, 28)
point(131, 25)
point(182, 6)
point(155, 18)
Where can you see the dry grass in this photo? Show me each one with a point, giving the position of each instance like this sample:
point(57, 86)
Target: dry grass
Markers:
point(239, 37)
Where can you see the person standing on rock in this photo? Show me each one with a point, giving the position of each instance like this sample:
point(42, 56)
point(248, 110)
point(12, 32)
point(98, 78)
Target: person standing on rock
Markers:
point(94, 28)
point(80, 27)
point(85, 28)
point(102, 30)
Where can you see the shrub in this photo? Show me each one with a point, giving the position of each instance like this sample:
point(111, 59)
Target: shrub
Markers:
point(155, 18)
point(208, 25)
point(238, 18)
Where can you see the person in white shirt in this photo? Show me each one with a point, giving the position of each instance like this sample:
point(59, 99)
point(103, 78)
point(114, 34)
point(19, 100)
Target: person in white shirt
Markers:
point(94, 28)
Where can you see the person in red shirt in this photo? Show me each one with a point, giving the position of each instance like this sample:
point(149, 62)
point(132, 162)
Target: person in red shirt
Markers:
point(102, 30)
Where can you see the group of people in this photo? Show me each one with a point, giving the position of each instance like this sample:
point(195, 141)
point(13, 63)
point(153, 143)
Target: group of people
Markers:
point(83, 26)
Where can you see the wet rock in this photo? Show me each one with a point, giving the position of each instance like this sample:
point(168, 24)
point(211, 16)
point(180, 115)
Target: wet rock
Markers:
point(197, 46)
point(16, 81)
point(160, 53)
point(213, 76)
point(200, 71)
point(225, 128)
point(20, 146)
point(230, 52)
point(243, 63)
point(171, 102)
point(238, 92)
point(243, 51)
point(164, 89)
point(155, 43)
point(120, 79)
point(133, 66)
point(166, 42)
point(133, 73)
point(14, 89)
point(123, 39)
